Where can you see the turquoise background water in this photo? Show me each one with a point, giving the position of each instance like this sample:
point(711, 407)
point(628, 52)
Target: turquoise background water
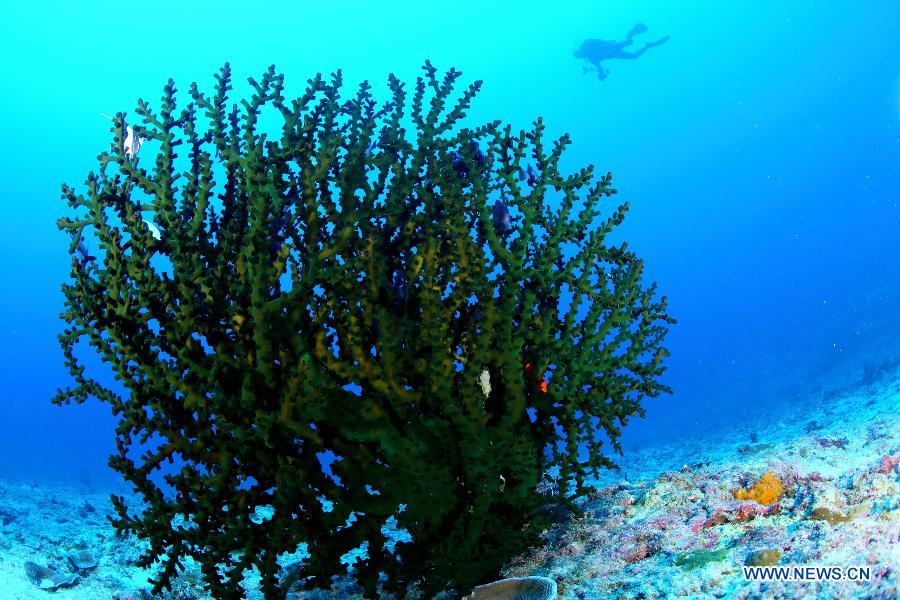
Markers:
point(759, 148)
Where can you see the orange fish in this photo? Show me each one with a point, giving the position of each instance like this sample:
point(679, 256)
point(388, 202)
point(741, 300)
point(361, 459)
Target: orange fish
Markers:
point(528, 373)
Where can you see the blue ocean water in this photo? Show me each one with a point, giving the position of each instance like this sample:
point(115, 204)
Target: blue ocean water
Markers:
point(759, 148)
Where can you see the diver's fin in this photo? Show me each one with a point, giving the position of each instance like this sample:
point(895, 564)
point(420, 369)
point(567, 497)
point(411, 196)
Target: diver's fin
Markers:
point(637, 30)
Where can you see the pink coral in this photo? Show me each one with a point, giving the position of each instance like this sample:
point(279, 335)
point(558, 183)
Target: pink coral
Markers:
point(640, 552)
point(888, 463)
point(697, 525)
point(660, 523)
point(739, 513)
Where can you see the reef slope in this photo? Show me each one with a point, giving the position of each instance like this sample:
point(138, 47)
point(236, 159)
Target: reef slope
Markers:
point(685, 532)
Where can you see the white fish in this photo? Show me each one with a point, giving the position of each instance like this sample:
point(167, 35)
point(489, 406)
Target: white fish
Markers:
point(484, 380)
point(132, 143)
point(154, 230)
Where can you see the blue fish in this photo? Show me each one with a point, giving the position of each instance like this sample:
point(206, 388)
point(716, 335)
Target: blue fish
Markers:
point(458, 161)
point(529, 175)
point(85, 256)
point(502, 220)
point(81, 249)
point(400, 287)
point(459, 165)
point(279, 222)
point(480, 157)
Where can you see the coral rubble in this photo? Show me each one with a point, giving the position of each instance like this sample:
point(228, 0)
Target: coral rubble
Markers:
point(684, 534)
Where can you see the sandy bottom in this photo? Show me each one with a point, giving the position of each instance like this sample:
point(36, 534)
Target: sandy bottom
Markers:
point(673, 529)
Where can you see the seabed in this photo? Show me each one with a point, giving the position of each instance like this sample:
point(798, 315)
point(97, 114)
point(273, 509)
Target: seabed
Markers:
point(673, 528)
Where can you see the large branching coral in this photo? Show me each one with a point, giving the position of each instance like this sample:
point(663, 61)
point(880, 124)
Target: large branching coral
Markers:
point(436, 307)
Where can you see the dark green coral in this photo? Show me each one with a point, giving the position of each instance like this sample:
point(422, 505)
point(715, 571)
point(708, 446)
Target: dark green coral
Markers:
point(354, 246)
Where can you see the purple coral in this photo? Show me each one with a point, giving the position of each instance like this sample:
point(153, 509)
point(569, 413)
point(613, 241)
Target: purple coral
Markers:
point(840, 443)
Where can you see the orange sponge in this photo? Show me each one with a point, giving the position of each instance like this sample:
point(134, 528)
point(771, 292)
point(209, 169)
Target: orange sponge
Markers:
point(766, 491)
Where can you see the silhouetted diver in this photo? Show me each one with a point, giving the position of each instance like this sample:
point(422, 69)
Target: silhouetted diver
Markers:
point(596, 51)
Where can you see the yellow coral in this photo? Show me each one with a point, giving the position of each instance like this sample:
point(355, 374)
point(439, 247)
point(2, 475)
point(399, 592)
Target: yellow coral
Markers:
point(766, 491)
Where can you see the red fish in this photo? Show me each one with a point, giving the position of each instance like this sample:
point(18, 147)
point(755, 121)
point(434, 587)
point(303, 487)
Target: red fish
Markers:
point(528, 373)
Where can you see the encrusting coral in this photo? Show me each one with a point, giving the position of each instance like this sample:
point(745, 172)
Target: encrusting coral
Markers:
point(764, 558)
point(46, 578)
point(766, 491)
point(516, 588)
point(347, 285)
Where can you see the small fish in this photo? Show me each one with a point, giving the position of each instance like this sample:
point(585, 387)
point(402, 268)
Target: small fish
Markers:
point(480, 158)
point(83, 253)
point(132, 143)
point(457, 161)
point(278, 224)
point(81, 249)
point(399, 286)
point(484, 380)
point(529, 175)
point(154, 230)
point(529, 372)
point(502, 220)
point(203, 308)
point(459, 165)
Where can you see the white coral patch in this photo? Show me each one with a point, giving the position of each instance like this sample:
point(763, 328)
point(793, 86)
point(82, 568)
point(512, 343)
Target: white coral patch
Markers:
point(484, 380)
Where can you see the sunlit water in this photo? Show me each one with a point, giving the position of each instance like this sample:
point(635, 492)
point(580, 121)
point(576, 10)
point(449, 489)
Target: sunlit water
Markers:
point(758, 147)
